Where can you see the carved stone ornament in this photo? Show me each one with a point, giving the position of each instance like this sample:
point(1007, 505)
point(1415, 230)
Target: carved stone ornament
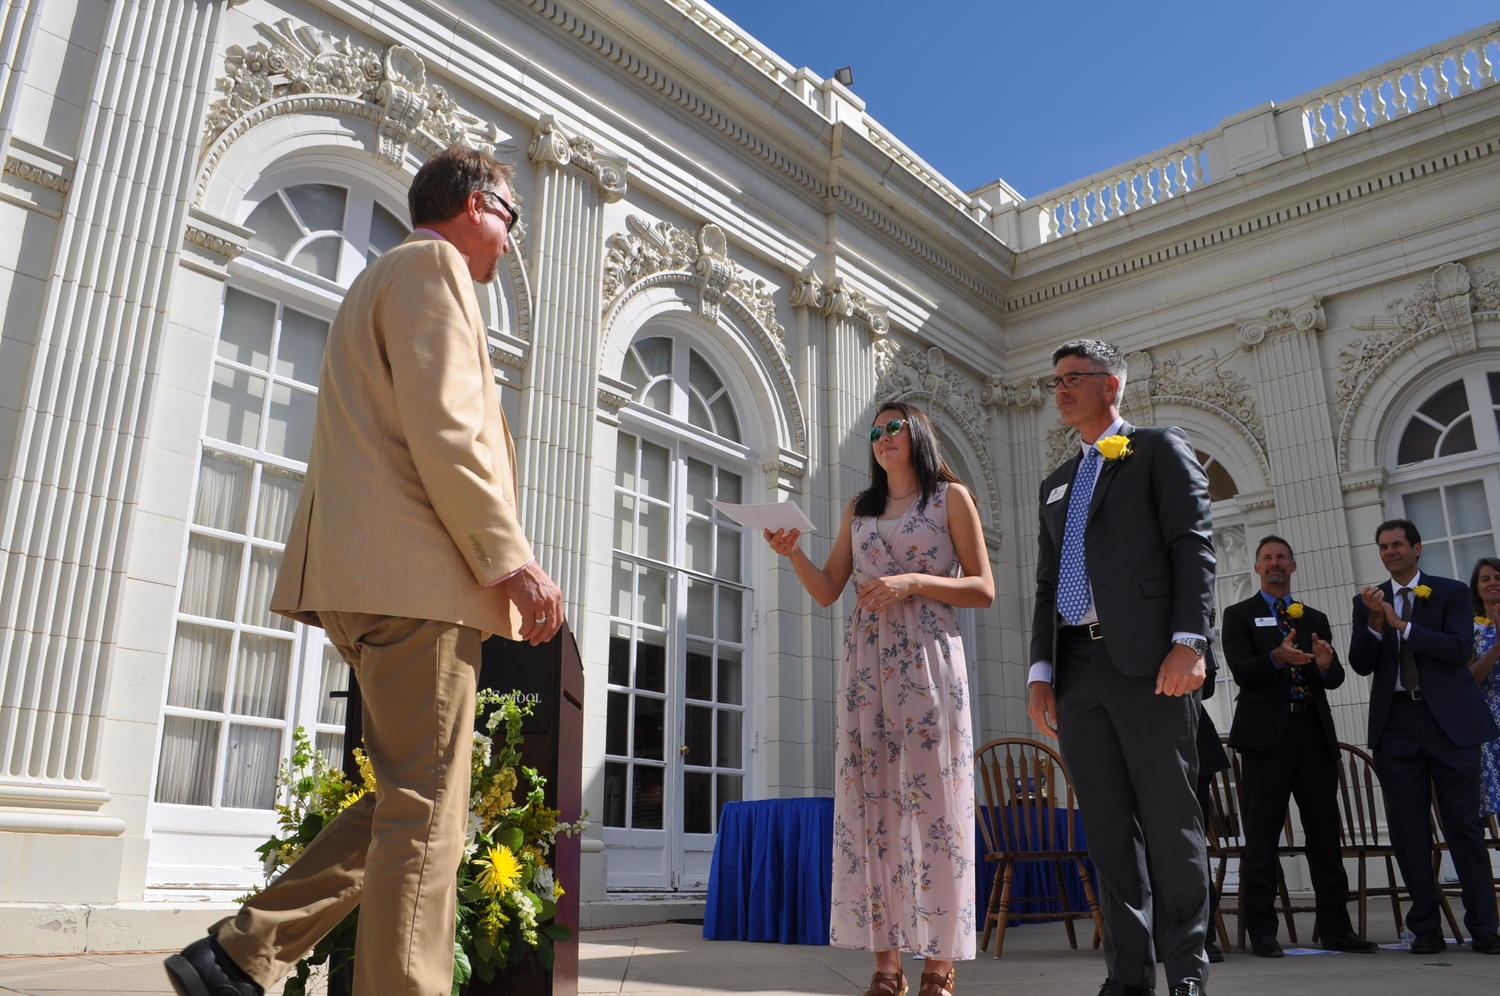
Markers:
point(300, 60)
point(209, 242)
point(550, 144)
point(647, 250)
point(836, 299)
point(1062, 442)
point(1305, 317)
point(31, 173)
point(902, 370)
point(1023, 394)
point(1201, 383)
point(1445, 302)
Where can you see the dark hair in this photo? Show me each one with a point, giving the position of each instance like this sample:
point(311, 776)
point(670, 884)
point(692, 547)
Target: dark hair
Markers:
point(1493, 563)
point(1097, 352)
point(445, 181)
point(1273, 538)
point(1405, 525)
point(926, 460)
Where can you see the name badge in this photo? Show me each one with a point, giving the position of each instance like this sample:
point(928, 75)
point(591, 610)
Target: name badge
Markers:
point(1265, 621)
point(1057, 493)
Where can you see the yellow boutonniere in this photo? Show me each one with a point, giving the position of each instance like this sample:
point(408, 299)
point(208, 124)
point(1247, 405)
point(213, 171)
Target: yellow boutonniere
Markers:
point(1421, 591)
point(1295, 610)
point(1113, 448)
point(1481, 620)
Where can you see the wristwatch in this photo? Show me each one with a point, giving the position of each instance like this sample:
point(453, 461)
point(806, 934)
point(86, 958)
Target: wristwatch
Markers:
point(1196, 644)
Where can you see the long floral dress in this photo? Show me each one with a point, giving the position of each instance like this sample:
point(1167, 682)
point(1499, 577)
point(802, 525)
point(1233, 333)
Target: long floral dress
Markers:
point(1489, 754)
point(903, 823)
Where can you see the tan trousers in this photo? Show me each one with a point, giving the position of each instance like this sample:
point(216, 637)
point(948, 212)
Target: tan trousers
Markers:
point(394, 854)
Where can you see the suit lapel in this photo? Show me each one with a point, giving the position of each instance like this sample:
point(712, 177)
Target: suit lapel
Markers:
point(1106, 475)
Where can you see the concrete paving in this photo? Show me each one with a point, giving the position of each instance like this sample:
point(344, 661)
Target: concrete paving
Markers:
point(673, 958)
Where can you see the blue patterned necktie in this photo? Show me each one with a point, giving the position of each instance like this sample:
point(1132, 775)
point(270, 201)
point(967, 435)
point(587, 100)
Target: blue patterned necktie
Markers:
point(1073, 593)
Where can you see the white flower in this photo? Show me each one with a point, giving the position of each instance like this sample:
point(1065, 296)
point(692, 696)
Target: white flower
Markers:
point(541, 881)
point(471, 835)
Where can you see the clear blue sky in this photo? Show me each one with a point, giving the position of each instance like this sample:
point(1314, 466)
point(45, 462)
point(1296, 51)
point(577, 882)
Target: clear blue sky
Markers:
point(1042, 93)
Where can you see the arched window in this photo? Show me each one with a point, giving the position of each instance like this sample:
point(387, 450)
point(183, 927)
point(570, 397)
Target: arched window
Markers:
point(241, 678)
point(676, 728)
point(1445, 477)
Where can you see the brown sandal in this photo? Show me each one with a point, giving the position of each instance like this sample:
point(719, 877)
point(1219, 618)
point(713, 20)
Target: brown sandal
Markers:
point(887, 984)
point(937, 985)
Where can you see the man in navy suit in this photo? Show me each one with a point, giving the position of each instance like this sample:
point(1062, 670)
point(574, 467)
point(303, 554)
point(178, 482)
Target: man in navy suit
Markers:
point(1415, 633)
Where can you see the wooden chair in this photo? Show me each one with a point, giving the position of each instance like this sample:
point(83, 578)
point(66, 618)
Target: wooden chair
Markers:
point(1027, 812)
point(1226, 839)
point(1362, 832)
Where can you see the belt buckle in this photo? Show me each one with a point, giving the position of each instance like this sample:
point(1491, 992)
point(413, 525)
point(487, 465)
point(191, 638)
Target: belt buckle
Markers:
point(1094, 633)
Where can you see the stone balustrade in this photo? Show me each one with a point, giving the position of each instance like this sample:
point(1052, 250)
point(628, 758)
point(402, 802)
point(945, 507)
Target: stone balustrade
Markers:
point(1402, 86)
point(1443, 72)
point(1121, 190)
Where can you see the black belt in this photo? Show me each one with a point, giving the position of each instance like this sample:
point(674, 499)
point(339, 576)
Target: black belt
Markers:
point(1092, 631)
point(1298, 706)
point(1413, 695)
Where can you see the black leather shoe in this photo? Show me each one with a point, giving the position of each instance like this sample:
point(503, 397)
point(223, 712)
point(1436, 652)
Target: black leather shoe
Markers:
point(1215, 956)
point(1350, 942)
point(203, 969)
point(1429, 942)
point(1114, 987)
point(1486, 944)
point(1187, 987)
point(1265, 946)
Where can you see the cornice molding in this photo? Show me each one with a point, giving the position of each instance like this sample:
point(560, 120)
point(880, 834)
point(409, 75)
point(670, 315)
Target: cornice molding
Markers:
point(608, 47)
point(38, 175)
point(1253, 224)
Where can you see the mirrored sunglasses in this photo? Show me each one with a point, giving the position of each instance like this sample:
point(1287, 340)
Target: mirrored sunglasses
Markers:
point(892, 428)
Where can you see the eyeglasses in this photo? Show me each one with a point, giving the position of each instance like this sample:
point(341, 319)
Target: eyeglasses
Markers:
point(511, 210)
point(1071, 380)
point(894, 427)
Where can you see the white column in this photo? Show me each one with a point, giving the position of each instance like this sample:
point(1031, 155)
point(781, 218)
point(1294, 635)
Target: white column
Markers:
point(67, 507)
point(574, 183)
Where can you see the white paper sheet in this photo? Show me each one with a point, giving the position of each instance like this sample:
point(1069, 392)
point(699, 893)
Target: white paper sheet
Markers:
point(780, 515)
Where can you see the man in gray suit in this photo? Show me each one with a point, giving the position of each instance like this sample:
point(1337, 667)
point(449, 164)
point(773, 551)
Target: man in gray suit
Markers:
point(1124, 592)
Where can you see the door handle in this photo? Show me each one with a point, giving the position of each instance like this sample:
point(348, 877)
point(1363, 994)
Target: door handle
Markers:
point(683, 750)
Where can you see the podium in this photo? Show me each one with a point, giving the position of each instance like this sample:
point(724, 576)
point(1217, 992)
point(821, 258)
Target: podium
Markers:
point(551, 678)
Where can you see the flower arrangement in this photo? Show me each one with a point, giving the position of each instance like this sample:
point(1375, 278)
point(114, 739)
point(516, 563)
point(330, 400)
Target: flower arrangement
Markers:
point(507, 892)
point(1422, 592)
point(1114, 448)
point(1295, 610)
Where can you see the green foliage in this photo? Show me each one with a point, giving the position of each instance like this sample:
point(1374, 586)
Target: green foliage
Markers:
point(507, 894)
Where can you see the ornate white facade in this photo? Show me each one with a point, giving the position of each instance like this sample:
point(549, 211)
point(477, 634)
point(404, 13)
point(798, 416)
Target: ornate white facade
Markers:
point(725, 262)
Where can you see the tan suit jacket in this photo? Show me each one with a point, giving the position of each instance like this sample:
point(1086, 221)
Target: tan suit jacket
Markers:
point(409, 508)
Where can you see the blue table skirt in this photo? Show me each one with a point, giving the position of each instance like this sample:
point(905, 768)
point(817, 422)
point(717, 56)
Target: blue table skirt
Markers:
point(772, 872)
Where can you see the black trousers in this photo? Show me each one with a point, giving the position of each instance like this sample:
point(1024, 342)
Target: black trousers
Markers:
point(1416, 760)
point(1133, 758)
point(1304, 768)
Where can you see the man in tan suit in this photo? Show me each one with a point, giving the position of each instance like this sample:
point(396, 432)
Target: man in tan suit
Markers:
point(407, 549)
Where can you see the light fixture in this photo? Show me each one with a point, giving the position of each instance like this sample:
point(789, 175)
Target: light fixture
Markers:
point(845, 75)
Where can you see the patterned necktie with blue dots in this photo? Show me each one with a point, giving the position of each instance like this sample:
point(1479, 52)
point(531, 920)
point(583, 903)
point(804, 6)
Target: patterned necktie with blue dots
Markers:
point(1073, 593)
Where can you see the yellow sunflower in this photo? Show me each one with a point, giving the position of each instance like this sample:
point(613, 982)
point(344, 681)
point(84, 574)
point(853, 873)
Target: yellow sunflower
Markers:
point(499, 871)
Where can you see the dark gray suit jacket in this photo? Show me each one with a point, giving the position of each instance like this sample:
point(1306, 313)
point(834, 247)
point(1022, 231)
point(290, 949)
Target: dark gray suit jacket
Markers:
point(1149, 546)
point(1260, 714)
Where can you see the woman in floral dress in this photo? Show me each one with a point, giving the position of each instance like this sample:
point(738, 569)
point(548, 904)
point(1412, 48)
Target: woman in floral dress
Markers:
point(1484, 584)
point(903, 829)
